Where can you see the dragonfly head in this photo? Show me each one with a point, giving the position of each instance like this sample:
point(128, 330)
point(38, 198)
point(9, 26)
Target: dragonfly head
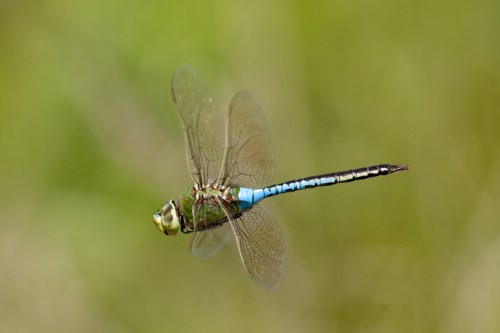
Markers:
point(167, 219)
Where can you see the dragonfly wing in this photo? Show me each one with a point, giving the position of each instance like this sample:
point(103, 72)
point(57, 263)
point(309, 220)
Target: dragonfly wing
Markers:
point(248, 156)
point(203, 129)
point(205, 244)
point(260, 244)
point(211, 230)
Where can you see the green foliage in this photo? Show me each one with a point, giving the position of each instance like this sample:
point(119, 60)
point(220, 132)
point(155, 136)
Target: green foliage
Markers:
point(91, 146)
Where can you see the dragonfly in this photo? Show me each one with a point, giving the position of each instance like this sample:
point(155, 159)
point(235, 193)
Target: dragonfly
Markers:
point(231, 169)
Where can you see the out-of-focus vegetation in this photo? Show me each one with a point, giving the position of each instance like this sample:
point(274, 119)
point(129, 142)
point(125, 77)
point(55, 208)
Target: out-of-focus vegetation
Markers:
point(91, 146)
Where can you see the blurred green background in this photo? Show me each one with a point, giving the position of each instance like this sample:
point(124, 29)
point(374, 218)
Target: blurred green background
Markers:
point(91, 146)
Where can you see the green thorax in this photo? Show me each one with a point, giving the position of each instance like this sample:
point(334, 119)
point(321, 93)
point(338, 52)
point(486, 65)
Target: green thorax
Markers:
point(210, 214)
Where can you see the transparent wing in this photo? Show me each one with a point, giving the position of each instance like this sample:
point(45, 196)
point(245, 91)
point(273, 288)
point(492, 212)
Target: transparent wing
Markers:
point(248, 156)
point(211, 228)
point(206, 243)
point(260, 243)
point(203, 129)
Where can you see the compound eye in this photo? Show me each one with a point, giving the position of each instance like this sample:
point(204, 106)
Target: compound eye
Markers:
point(167, 219)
